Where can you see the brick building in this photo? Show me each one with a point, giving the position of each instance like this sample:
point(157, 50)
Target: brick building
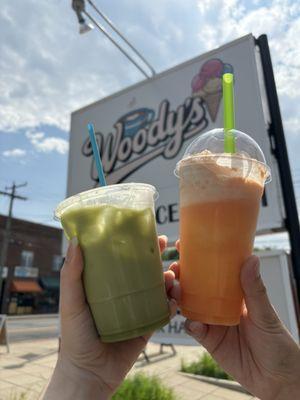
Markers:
point(31, 273)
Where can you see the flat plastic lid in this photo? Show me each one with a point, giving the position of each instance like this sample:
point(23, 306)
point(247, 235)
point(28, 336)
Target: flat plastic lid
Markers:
point(122, 194)
point(212, 143)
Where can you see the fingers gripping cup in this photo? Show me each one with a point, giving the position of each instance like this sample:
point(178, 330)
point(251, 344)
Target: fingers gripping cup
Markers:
point(220, 194)
point(123, 276)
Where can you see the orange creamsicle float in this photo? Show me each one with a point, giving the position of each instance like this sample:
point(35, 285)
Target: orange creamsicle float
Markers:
point(220, 195)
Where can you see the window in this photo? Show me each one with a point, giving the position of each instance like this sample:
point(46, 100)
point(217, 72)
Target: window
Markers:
point(57, 263)
point(26, 258)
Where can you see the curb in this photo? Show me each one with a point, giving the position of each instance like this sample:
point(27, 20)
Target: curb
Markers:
point(224, 383)
point(31, 316)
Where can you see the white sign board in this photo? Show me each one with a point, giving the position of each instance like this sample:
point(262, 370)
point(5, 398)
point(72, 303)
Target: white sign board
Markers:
point(143, 131)
point(4, 272)
point(276, 276)
point(26, 272)
point(174, 333)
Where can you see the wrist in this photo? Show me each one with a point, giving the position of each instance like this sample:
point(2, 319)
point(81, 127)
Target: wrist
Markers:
point(69, 382)
point(288, 392)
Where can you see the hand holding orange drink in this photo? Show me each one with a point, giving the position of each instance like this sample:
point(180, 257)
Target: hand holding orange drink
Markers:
point(221, 179)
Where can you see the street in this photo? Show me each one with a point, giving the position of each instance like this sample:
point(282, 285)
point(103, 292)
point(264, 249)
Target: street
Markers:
point(32, 328)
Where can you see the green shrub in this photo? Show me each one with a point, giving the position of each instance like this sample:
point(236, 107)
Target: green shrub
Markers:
point(206, 366)
point(170, 254)
point(142, 387)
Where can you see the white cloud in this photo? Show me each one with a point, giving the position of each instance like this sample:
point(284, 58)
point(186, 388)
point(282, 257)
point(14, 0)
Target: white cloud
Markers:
point(203, 6)
point(50, 144)
point(292, 125)
point(280, 20)
point(34, 136)
point(47, 70)
point(47, 144)
point(14, 153)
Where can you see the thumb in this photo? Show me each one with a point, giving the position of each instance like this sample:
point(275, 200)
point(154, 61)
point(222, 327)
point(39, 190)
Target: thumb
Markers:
point(72, 297)
point(257, 301)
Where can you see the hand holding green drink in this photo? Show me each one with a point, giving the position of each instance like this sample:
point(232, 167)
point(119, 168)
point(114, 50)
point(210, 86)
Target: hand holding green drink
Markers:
point(123, 278)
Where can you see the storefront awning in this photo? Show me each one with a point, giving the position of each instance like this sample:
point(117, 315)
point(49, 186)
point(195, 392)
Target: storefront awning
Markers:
point(50, 282)
point(25, 286)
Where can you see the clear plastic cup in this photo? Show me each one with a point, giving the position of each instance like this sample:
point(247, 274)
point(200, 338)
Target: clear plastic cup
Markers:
point(220, 195)
point(123, 276)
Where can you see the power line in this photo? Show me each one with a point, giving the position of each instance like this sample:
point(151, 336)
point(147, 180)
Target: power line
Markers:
point(11, 193)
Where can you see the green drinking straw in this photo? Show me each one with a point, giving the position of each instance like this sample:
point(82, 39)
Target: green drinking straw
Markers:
point(96, 153)
point(228, 102)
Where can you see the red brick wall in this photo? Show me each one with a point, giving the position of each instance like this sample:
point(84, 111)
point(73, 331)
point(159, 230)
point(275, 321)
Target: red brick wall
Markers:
point(44, 241)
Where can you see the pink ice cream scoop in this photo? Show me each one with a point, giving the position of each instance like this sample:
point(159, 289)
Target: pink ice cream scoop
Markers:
point(212, 69)
point(198, 83)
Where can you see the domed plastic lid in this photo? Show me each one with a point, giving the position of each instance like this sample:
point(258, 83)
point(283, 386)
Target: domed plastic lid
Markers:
point(211, 144)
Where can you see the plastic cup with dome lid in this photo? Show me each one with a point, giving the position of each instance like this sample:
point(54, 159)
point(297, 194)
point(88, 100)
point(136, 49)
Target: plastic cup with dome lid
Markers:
point(221, 179)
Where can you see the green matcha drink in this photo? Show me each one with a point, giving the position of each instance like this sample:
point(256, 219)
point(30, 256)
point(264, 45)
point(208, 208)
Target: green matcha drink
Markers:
point(123, 276)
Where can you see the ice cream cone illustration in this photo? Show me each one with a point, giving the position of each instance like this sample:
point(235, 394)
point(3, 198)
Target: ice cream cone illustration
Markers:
point(207, 84)
point(213, 101)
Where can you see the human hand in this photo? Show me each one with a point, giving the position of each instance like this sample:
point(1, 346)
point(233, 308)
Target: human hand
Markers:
point(259, 353)
point(83, 358)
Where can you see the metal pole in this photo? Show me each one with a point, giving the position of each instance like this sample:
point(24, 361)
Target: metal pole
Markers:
point(116, 44)
point(109, 22)
point(7, 230)
point(276, 131)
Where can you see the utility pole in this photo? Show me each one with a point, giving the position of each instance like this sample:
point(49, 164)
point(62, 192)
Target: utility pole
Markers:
point(10, 192)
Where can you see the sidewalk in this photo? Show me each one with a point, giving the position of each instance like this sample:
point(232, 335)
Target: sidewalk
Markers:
point(30, 364)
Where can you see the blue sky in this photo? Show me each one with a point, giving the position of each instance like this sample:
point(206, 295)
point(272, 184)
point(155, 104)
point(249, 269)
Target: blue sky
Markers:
point(47, 71)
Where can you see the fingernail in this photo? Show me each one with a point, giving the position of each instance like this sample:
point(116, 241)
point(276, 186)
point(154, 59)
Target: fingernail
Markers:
point(176, 283)
point(174, 292)
point(172, 265)
point(173, 302)
point(70, 253)
point(173, 308)
point(74, 241)
point(256, 268)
